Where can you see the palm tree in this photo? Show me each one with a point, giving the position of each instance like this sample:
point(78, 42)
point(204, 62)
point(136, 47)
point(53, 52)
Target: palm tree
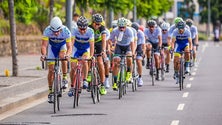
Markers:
point(13, 37)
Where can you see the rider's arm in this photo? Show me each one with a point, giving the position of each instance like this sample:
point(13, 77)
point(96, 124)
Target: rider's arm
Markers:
point(44, 45)
point(173, 42)
point(103, 42)
point(69, 46)
point(190, 43)
point(160, 40)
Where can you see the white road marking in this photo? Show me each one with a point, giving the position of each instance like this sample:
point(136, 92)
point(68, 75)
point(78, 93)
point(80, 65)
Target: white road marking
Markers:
point(191, 79)
point(195, 69)
point(180, 107)
point(188, 86)
point(204, 47)
point(175, 122)
point(185, 94)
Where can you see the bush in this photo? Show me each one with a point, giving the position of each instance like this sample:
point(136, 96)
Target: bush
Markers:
point(21, 29)
point(4, 27)
point(202, 36)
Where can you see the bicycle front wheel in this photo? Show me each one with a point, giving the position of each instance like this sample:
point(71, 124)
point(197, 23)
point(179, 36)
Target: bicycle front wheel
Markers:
point(76, 93)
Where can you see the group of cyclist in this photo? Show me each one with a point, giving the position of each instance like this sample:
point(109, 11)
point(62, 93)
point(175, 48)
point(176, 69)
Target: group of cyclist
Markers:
point(87, 40)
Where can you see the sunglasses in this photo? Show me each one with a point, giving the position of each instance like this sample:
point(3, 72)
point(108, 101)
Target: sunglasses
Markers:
point(98, 24)
point(82, 29)
point(122, 27)
point(55, 31)
point(164, 30)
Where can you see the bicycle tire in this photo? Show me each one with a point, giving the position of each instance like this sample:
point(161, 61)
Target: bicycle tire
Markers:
point(162, 67)
point(121, 83)
point(55, 90)
point(152, 70)
point(134, 77)
point(181, 73)
point(59, 94)
point(92, 87)
point(76, 93)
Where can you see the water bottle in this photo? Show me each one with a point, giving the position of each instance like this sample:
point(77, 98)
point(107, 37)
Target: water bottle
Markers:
point(120, 36)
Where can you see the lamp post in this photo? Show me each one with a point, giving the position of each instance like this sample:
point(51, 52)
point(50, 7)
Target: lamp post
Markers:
point(209, 17)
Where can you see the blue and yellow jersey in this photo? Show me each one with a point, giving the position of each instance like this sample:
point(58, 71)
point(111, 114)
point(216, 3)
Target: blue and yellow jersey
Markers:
point(65, 35)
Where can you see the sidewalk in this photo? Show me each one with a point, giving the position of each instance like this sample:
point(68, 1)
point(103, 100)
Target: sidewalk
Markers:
point(29, 85)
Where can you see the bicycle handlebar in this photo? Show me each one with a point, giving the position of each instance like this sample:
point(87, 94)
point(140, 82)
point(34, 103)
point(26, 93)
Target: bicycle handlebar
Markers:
point(54, 59)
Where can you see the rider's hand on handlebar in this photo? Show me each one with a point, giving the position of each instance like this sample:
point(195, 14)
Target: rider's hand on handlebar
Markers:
point(43, 57)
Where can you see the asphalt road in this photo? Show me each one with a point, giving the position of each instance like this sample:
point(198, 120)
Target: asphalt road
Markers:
point(163, 104)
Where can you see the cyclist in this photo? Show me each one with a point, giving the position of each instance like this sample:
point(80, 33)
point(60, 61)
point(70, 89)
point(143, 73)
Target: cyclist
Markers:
point(74, 21)
point(174, 26)
point(100, 47)
point(83, 47)
point(140, 51)
point(129, 23)
point(57, 42)
point(183, 42)
point(194, 36)
point(166, 43)
point(123, 36)
point(154, 40)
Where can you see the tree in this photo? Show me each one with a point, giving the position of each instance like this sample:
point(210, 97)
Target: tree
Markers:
point(51, 9)
point(188, 9)
point(13, 37)
point(149, 8)
point(216, 14)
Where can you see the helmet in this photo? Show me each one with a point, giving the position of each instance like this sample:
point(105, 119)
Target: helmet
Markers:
point(114, 23)
point(82, 22)
point(135, 25)
point(129, 23)
point(97, 18)
point(181, 25)
point(122, 22)
point(189, 22)
point(165, 26)
point(160, 22)
point(151, 23)
point(56, 24)
point(177, 19)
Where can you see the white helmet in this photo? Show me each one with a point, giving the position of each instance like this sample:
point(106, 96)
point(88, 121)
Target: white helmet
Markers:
point(165, 26)
point(56, 24)
point(128, 22)
point(122, 22)
point(114, 23)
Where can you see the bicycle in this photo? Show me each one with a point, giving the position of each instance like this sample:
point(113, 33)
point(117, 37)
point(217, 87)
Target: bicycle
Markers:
point(95, 80)
point(181, 77)
point(77, 81)
point(57, 82)
point(121, 82)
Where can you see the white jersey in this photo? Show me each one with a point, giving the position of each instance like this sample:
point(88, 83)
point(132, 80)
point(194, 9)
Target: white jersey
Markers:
point(153, 37)
point(194, 32)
